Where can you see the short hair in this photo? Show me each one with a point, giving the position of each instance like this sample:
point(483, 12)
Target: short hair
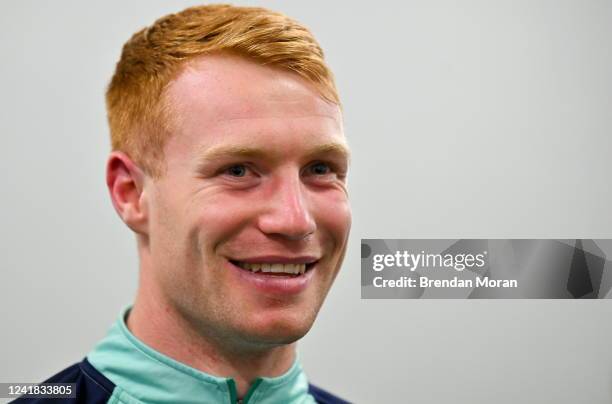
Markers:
point(138, 116)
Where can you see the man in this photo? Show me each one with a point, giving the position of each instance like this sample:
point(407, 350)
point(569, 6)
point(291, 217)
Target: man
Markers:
point(229, 164)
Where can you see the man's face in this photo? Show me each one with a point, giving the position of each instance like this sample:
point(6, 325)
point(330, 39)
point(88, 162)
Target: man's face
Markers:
point(255, 181)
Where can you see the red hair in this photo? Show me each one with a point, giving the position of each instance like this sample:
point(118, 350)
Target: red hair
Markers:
point(139, 120)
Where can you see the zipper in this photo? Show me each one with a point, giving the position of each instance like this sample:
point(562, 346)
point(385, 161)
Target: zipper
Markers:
point(231, 385)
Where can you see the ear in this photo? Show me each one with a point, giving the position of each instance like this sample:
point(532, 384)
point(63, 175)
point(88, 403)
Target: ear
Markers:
point(125, 182)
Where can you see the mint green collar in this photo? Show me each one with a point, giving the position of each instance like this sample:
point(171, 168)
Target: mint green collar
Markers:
point(143, 375)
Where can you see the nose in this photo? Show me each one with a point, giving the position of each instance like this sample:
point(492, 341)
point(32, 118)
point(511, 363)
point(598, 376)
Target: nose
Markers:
point(287, 212)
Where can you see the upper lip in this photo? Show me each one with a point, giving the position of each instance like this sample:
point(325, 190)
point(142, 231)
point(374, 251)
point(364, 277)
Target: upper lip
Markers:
point(278, 259)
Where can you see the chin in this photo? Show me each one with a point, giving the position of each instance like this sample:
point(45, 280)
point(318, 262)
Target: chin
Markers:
point(278, 330)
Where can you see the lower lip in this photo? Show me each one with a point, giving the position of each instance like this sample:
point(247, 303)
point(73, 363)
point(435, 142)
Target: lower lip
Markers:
point(274, 284)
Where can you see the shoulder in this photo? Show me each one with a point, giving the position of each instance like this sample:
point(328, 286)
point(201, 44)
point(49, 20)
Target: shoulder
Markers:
point(90, 385)
point(324, 397)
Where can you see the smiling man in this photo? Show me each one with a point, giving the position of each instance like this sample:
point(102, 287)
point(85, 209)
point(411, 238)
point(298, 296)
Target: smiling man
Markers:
point(229, 164)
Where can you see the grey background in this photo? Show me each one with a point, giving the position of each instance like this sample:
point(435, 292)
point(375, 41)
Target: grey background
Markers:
point(467, 119)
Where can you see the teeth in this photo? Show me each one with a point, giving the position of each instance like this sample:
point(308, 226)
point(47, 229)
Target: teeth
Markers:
point(294, 269)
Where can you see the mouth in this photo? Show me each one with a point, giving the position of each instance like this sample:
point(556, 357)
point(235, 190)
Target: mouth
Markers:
point(275, 268)
point(275, 276)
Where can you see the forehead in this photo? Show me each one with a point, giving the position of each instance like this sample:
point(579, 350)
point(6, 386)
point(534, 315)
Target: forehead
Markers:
point(220, 89)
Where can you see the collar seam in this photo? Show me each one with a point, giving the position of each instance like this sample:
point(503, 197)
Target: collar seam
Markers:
point(153, 355)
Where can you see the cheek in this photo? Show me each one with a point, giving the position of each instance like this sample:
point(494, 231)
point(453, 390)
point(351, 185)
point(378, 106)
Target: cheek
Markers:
point(175, 229)
point(333, 214)
point(164, 228)
point(219, 218)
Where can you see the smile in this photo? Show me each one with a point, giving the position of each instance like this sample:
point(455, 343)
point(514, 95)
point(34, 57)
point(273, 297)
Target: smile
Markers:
point(275, 268)
point(274, 275)
point(293, 269)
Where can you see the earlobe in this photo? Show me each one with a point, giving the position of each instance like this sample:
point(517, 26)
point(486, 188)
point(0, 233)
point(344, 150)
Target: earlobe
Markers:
point(126, 185)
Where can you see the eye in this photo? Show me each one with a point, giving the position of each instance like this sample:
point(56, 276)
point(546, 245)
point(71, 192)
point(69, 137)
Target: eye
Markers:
point(237, 170)
point(325, 172)
point(239, 175)
point(320, 169)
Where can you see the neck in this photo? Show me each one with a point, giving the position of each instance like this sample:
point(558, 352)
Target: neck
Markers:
point(162, 328)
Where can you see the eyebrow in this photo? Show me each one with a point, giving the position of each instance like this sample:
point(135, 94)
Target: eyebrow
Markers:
point(221, 152)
